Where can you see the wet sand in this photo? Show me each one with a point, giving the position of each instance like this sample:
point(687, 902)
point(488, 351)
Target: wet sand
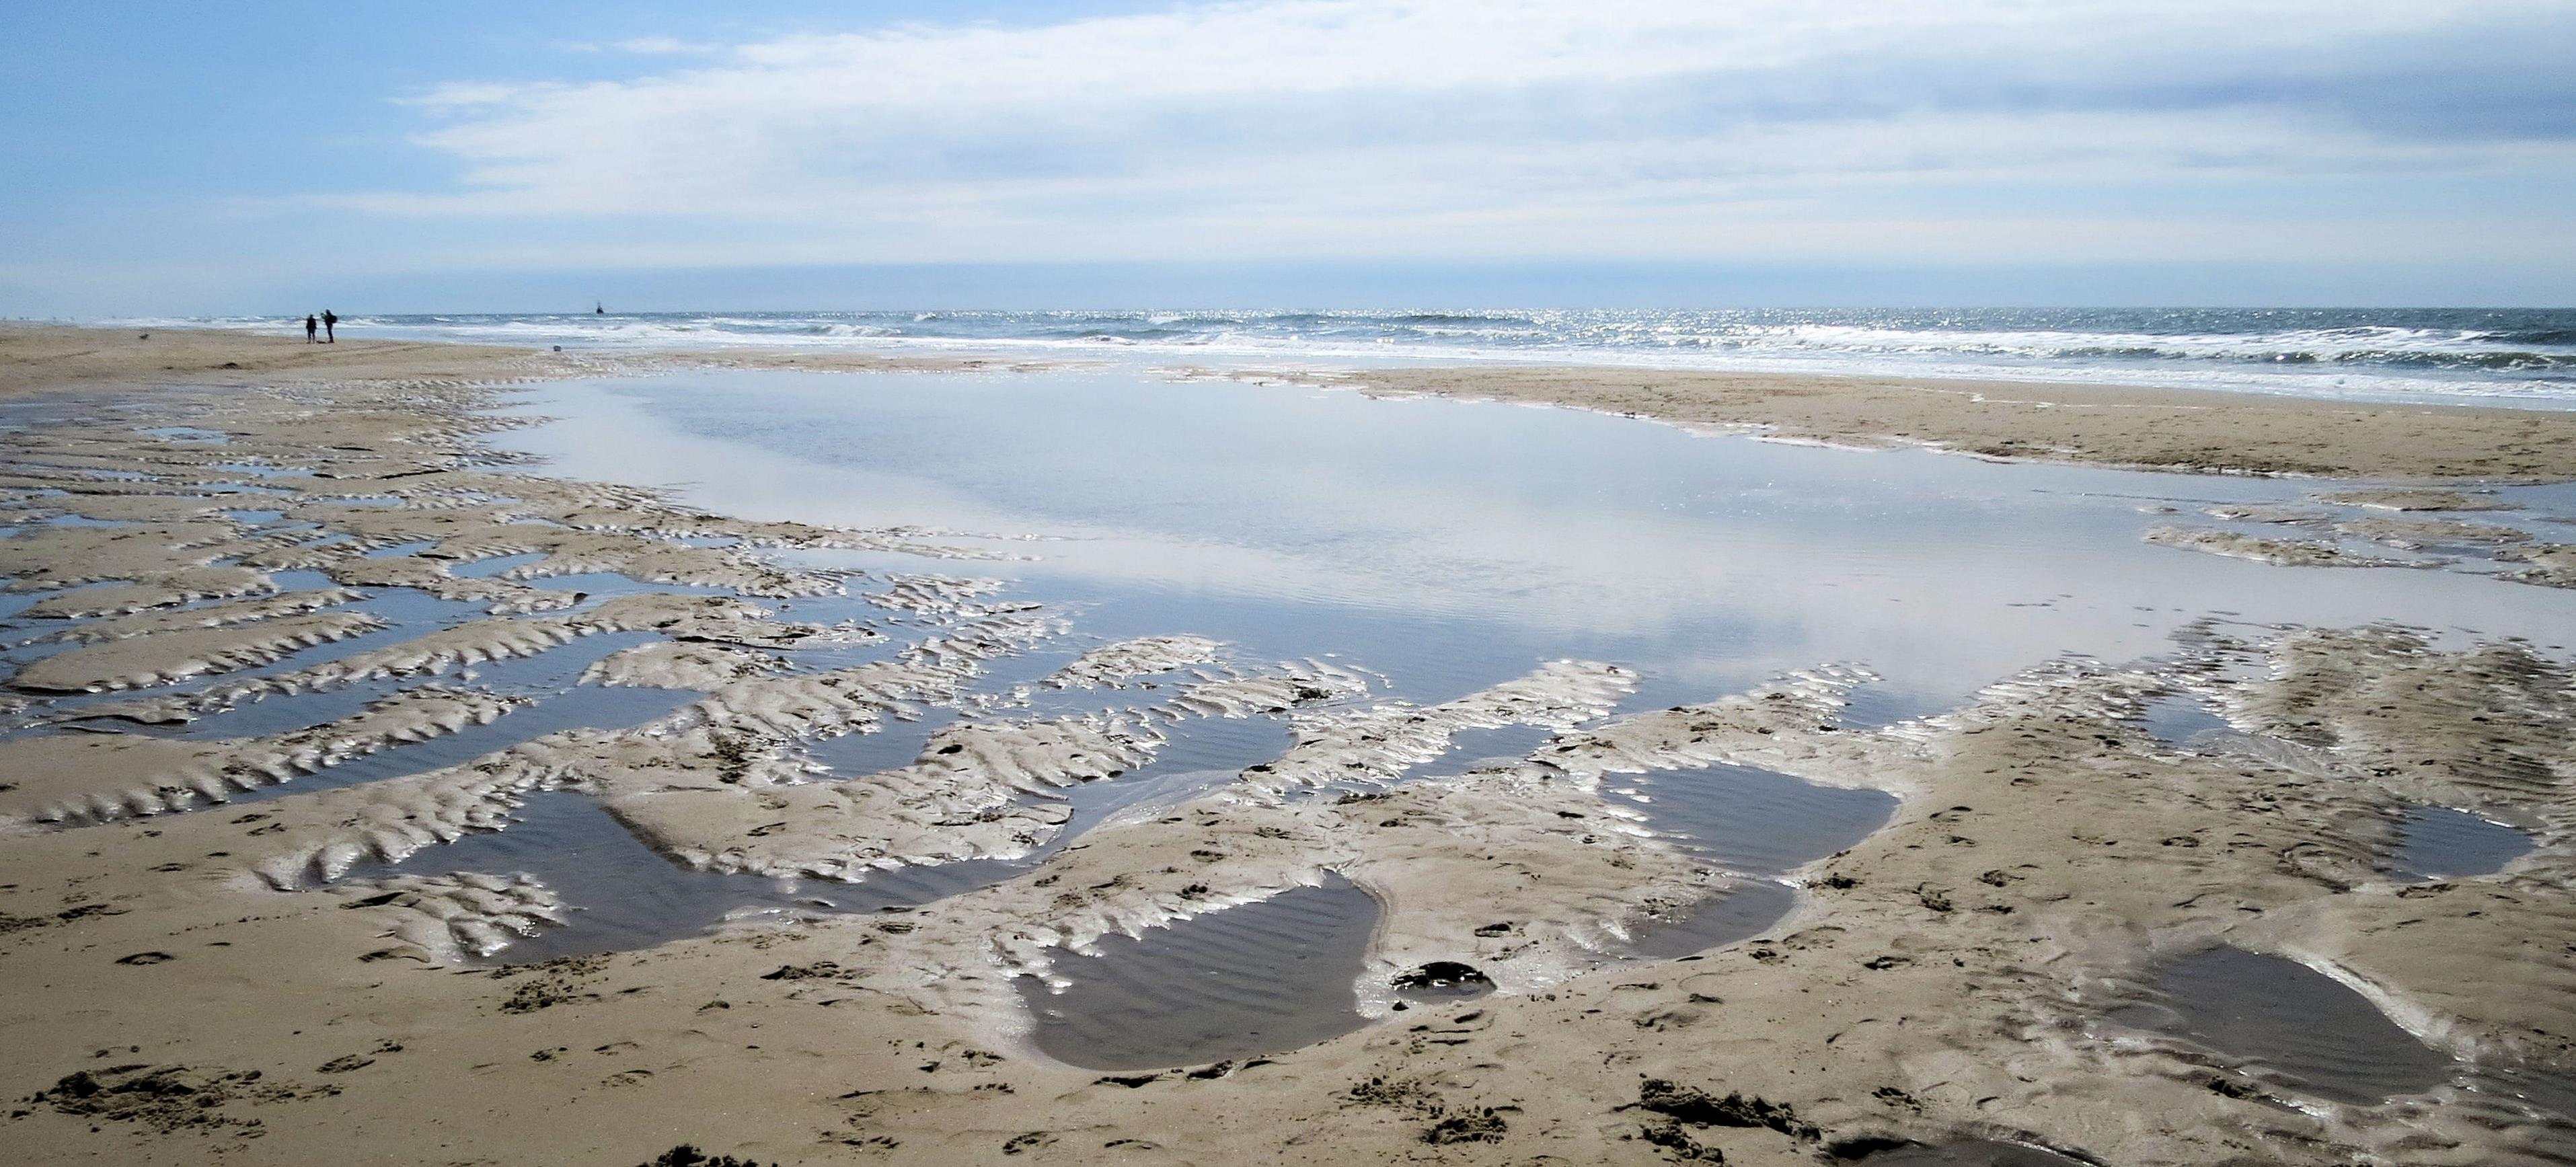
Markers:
point(2167, 429)
point(249, 982)
point(2184, 430)
point(42, 358)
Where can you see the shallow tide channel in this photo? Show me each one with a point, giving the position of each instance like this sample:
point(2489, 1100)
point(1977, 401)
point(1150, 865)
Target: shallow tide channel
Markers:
point(1445, 546)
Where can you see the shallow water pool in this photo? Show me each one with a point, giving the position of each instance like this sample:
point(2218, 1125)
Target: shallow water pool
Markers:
point(2291, 1023)
point(2437, 841)
point(1447, 546)
point(1258, 978)
point(1453, 544)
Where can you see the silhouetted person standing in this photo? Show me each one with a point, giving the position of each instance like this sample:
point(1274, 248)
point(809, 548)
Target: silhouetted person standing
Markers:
point(330, 331)
point(310, 324)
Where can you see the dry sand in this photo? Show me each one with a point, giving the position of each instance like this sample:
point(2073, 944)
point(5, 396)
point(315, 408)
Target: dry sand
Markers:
point(192, 986)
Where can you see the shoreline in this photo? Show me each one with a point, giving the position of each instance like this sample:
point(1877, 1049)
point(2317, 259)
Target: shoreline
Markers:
point(2172, 430)
point(182, 988)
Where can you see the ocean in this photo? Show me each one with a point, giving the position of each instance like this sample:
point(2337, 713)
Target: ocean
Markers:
point(2524, 357)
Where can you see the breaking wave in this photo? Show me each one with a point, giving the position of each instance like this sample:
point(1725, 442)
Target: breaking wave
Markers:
point(2503, 356)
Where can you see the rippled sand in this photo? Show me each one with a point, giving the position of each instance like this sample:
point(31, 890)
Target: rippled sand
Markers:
point(213, 949)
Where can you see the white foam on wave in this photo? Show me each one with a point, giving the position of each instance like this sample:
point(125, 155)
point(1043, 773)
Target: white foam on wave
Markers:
point(2397, 356)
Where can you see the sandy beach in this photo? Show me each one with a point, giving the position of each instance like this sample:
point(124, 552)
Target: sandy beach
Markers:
point(61, 359)
point(2183, 430)
point(213, 950)
point(2167, 429)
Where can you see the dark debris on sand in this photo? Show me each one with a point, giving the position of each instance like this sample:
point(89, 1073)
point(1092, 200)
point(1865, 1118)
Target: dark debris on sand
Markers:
point(685, 1155)
point(550, 983)
point(1696, 1107)
point(165, 1098)
point(78, 912)
point(1679, 1144)
point(1462, 1125)
point(821, 969)
point(1443, 974)
point(1483, 1126)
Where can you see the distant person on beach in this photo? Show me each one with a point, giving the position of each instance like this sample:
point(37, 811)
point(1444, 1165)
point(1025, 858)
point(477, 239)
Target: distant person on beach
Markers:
point(330, 333)
point(310, 324)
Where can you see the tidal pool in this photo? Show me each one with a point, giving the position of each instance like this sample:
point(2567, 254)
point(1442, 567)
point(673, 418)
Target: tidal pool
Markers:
point(1450, 545)
point(2183, 719)
point(2289, 1022)
point(1755, 821)
point(1253, 979)
point(1174, 996)
point(2437, 841)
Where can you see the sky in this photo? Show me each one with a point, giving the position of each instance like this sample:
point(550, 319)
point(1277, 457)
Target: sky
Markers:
point(255, 158)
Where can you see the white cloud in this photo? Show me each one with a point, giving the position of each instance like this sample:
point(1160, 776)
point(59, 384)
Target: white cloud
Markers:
point(663, 46)
point(650, 46)
point(1627, 127)
point(468, 94)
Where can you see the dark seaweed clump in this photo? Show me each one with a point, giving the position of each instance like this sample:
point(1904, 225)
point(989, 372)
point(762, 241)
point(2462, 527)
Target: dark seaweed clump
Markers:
point(685, 1155)
point(1442, 974)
